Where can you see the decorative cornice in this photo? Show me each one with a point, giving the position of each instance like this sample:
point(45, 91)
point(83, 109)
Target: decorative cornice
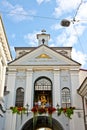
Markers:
point(4, 41)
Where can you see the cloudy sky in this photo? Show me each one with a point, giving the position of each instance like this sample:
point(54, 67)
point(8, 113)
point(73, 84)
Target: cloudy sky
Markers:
point(23, 19)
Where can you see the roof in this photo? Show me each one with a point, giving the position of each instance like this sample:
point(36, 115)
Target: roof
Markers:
point(34, 48)
point(83, 88)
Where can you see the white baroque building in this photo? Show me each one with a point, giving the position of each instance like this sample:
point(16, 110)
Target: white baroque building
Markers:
point(5, 57)
point(47, 72)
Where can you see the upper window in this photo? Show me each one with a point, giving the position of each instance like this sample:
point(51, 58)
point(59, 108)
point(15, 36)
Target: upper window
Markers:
point(43, 84)
point(66, 99)
point(19, 97)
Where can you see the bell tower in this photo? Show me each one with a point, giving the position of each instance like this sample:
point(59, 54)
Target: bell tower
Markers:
point(43, 38)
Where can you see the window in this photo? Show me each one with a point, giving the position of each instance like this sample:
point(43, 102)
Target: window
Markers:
point(66, 100)
point(43, 84)
point(19, 97)
point(43, 90)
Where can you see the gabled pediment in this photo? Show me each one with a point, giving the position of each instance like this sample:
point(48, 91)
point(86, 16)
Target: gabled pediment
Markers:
point(43, 55)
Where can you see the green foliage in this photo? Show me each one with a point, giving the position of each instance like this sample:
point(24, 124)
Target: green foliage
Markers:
point(18, 110)
point(68, 112)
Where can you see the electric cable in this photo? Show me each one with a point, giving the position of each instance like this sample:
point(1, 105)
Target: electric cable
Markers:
point(77, 10)
point(42, 17)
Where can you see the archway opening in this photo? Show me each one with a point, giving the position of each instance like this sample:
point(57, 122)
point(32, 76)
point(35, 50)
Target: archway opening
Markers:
point(42, 124)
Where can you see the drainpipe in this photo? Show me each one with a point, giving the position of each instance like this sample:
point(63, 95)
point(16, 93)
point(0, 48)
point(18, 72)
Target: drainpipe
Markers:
point(84, 111)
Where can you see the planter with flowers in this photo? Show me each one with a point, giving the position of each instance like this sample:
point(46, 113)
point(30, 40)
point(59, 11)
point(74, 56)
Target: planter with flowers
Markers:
point(18, 110)
point(43, 110)
point(68, 112)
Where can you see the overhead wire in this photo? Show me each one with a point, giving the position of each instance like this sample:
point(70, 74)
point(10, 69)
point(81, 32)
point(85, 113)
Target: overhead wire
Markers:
point(43, 17)
point(73, 21)
point(77, 10)
point(37, 16)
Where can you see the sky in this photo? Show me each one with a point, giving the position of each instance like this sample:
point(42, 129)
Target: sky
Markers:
point(23, 19)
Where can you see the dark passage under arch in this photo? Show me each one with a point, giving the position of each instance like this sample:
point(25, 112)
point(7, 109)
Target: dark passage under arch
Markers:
point(42, 121)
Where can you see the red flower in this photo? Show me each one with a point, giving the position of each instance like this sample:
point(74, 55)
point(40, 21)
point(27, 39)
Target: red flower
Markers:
point(34, 109)
point(51, 110)
point(41, 110)
point(20, 108)
point(64, 110)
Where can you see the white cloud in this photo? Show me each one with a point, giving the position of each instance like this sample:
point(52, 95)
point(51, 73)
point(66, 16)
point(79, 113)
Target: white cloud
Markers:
point(78, 9)
point(79, 57)
point(41, 1)
point(56, 26)
point(31, 38)
point(7, 5)
point(82, 12)
point(69, 36)
point(17, 12)
point(64, 6)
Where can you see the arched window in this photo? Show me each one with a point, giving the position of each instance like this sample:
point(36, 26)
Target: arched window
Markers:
point(19, 97)
point(43, 91)
point(43, 84)
point(66, 98)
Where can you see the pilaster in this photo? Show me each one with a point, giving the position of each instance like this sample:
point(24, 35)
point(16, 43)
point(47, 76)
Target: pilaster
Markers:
point(10, 121)
point(76, 99)
point(11, 82)
point(56, 87)
point(29, 88)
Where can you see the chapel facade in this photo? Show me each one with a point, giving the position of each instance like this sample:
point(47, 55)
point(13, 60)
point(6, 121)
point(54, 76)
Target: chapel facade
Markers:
point(43, 76)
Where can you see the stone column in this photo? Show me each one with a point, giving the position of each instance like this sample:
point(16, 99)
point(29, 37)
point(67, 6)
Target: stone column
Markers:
point(29, 88)
point(56, 88)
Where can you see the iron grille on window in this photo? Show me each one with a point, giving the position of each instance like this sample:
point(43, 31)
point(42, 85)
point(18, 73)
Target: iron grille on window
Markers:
point(43, 84)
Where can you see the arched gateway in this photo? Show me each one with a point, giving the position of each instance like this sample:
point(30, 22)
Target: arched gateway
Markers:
point(43, 93)
point(42, 122)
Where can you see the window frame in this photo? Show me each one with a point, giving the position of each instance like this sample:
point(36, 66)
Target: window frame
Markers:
point(65, 97)
point(19, 100)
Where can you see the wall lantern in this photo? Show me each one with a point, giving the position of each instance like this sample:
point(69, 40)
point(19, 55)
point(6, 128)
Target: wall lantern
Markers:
point(65, 23)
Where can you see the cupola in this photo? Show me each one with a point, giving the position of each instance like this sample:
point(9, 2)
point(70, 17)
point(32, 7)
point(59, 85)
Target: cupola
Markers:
point(43, 38)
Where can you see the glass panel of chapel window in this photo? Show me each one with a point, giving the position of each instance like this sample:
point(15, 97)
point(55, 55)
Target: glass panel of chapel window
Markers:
point(19, 97)
point(43, 84)
point(66, 101)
